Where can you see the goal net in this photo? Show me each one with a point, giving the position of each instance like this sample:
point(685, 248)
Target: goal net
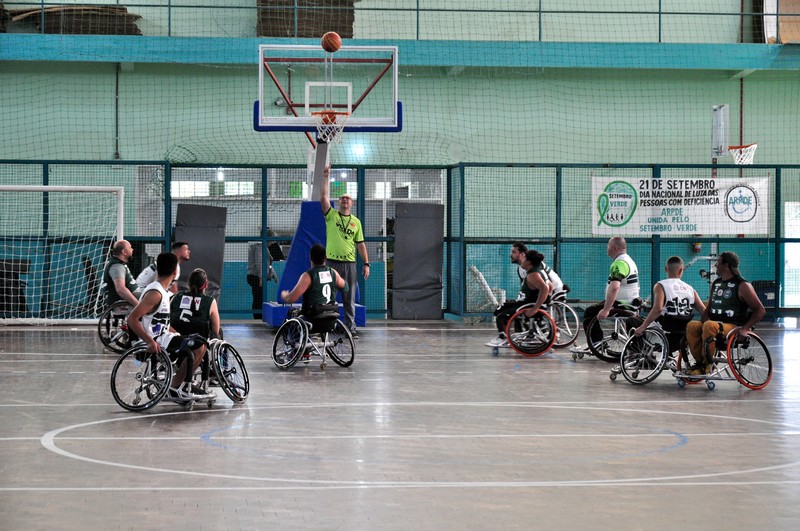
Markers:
point(54, 242)
point(481, 297)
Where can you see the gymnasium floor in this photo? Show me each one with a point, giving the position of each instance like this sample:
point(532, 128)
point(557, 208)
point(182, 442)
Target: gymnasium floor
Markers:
point(427, 430)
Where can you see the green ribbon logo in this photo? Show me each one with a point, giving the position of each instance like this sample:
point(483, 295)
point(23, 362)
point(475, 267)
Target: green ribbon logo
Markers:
point(602, 207)
point(617, 204)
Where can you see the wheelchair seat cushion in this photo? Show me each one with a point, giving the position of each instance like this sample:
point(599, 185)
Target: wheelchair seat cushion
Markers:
point(322, 317)
point(323, 323)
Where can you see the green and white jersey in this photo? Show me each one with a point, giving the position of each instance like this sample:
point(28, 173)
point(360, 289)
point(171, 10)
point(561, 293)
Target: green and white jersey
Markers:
point(624, 270)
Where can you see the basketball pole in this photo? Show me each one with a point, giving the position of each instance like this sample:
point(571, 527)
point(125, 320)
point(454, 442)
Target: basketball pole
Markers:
point(320, 162)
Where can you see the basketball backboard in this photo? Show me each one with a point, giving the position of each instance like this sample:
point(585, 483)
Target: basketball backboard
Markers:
point(296, 80)
point(719, 130)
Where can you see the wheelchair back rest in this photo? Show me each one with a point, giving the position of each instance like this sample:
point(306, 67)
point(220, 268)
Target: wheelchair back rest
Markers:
point(675, 339)
point(675, 330)
point(186, 329)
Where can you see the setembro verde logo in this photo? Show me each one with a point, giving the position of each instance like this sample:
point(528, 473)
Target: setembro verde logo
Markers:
point(617, 204)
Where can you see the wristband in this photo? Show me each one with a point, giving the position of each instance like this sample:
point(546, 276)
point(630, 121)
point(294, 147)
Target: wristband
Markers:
point(366, 264)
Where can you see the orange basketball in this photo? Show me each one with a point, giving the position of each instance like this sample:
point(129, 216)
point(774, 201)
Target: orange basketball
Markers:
point(331, 42)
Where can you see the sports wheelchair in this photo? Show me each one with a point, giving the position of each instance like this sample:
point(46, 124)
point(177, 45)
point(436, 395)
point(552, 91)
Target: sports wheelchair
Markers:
point(644, 357)
point(533, 335)
point(112, 327)
point(745, 360)
point(296, 338)
point(568, 326)
point(615, 335)
point(141, 379)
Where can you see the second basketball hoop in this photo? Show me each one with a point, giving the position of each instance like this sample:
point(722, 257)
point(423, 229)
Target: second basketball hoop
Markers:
point(743, 154)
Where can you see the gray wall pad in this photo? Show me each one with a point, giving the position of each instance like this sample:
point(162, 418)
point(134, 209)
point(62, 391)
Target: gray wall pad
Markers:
point(203, 228)
point(418, 259)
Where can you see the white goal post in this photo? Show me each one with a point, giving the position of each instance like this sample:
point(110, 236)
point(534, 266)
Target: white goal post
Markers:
point(480, 296)
point(54, 244)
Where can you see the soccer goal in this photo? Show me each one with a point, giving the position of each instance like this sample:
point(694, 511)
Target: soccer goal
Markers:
point(480, 296)
point(54, 243)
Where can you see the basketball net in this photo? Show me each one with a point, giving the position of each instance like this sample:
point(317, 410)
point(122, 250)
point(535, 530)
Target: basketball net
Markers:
point(743, 154)
point(330, 123)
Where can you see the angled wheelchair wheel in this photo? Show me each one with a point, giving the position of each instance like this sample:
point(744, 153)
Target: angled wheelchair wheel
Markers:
point(531, 336)
point(750, 361)
point(140, 379)
point(568, 326)
point(230, 371)
point(643, 358)
point(339, 345)
point(113, 327)
point(609, 348)
point(290, 342)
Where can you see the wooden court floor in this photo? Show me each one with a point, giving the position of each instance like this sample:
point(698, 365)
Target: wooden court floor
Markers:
point(427, 430)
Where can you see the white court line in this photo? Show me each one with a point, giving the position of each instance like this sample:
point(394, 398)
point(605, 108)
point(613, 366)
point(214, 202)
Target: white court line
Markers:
point(420, 436)
point(48, 441)
point(391, 486)
point(250, 403)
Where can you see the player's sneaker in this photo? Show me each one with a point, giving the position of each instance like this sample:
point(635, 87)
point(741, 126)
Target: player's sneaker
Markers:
point(699, 369)
point(199, 392)
point(498, 342)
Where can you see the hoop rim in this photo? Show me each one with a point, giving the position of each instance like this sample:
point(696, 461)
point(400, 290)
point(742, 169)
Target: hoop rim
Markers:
point(328, 112)
point(745, 146)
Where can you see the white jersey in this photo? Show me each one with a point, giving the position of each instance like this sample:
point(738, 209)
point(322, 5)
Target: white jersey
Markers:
point(558, 284)
point(522, 272)
point(678, 298)
point(156, 323)
point(150, 275)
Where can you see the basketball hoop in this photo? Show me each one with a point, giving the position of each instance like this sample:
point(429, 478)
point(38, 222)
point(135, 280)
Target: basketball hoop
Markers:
point(743, 154)
point(330, 125)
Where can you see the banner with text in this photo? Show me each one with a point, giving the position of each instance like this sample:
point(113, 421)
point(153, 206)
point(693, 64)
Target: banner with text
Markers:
point(628, 207)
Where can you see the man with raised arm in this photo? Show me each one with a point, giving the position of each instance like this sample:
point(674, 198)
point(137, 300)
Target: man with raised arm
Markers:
point(344, 238)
